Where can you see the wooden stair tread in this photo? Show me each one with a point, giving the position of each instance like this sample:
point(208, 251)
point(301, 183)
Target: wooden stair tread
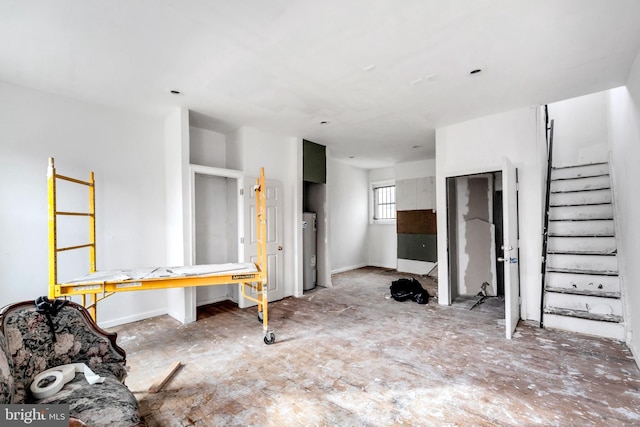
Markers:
point(579, 191)
point(582, 314)
point(574, 271)
point(579, 177)
point(579, 166)
point(600, 253)
point(581, 219)
point(588, 293)
point(581, 235)
point(579, 204)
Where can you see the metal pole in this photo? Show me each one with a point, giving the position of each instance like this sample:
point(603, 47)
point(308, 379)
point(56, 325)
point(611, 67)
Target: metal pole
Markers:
point(53, 253)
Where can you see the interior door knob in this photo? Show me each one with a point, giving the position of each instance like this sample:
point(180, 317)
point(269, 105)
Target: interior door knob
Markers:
point(279, 248)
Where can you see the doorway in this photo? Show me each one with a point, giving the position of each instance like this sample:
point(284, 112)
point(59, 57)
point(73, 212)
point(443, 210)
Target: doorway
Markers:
point(314, 199)
point(216, 225)
point(482, 240)
point(216, 229)
point(474, 230)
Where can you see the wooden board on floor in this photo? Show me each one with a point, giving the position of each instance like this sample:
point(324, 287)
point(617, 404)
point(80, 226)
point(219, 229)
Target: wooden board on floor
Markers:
point(157, 386)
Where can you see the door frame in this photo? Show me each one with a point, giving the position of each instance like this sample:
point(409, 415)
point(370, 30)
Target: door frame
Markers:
point(221, 173)
point(511, 247)
point(444, 287)
point(218, 173)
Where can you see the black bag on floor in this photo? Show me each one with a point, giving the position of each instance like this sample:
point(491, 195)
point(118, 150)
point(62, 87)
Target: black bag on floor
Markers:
point(404, 289)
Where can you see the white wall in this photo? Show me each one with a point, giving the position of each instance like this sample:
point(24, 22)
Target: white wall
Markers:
point(580, 130)
point(123, 149)
point(478, 146)
point(382, 238)
point(417, 169)
point(207, 148)
point(181, 301)
point(383, 246)
point(347, 190)
point(624, 116)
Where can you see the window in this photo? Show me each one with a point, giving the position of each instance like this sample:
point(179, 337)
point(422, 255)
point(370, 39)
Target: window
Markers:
point(384, 202)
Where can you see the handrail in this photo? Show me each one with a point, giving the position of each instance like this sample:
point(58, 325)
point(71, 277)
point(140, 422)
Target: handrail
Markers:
point(545, 228)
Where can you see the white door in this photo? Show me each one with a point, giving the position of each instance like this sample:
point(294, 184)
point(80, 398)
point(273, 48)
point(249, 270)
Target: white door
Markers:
point(510, 247)
point(274, 194)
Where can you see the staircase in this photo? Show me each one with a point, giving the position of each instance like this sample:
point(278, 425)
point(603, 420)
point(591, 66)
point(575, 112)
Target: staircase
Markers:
point(582, 287)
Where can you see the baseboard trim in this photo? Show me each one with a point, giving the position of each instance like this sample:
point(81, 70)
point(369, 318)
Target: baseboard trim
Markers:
point(415, 267)
point(213, 301)
point(132, 318)
point(635, 352)
point(353, 267)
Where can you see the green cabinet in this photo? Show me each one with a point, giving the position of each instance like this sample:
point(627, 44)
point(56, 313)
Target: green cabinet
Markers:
point(314, 162)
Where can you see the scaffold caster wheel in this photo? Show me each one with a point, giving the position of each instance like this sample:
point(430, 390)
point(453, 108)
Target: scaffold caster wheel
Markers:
point(270, 338)
point(260, 316)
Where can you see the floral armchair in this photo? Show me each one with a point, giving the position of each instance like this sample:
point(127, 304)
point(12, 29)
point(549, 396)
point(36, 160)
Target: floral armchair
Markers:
point(33, 339)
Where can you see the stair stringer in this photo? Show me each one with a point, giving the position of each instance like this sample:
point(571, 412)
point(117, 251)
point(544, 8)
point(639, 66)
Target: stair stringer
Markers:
point(624, 290)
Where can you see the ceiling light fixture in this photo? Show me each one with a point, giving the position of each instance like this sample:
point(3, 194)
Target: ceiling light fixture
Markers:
point(324, 122)
point(476, 71)
point(175, 92)
point(370, 67)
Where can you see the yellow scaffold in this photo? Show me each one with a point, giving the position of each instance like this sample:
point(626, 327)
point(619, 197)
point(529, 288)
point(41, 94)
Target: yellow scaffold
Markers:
point(98, 285)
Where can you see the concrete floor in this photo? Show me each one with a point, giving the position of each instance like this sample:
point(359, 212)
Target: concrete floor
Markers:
point(350, 355)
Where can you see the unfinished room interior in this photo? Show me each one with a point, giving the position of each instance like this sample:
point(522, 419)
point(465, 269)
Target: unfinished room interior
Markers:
point(230, 199)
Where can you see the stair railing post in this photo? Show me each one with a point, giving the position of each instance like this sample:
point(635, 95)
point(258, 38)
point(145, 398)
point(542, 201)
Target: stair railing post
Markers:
point(545, 227)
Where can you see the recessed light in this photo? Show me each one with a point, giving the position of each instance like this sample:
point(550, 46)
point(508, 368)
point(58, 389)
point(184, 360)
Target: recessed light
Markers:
point(416, 146)
point(352, 157)
point(324, 122)
point(370, 67)
point(476, 71)
point(175, 92)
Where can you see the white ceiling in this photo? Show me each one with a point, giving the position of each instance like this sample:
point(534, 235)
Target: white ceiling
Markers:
point(383, 73)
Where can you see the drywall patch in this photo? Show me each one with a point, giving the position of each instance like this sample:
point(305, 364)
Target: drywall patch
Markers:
point(479, 235)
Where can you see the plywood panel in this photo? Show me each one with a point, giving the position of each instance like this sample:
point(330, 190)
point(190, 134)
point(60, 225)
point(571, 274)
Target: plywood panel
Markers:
point(421, 221)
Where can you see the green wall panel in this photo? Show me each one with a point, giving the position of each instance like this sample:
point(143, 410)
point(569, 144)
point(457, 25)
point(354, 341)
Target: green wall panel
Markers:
point(314, 162)
point(418, 247)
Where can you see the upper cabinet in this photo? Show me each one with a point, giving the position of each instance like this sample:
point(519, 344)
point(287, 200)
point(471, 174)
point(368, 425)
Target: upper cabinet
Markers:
point(314, 162)
point(416, 193)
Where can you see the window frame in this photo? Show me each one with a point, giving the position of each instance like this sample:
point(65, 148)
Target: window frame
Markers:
point(372, 201)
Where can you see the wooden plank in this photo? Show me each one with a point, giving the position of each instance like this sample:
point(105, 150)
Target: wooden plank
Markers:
point(420, 221)
point(157, 386)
